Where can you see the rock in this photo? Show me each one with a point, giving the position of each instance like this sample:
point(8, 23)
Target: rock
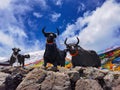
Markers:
point(116, 80)
point(87, 84)
point(12, 81)
point(93, 73)
point(15, 70)
point(90, 72)
point(56, 81)
point(79, 69)
point(109, 79)
point(7, 69)
point(2, 87)
point(33, 80)
point(16, 75)
point(116, 88)
point(2, 80)
point(63, 69)
point(55, 69)
point(112, 79)
point(73, 75)
point(78, 78)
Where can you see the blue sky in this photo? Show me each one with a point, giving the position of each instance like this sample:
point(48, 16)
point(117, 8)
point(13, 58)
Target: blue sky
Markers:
point(95, 22)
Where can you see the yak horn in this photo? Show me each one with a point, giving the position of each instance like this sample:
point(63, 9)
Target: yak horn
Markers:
point(43, 30)
point(65, 42)
point(58, 31)
point(77, 41)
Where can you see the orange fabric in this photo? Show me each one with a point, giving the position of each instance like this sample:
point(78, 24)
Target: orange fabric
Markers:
point(49, 42)
point(76, 53)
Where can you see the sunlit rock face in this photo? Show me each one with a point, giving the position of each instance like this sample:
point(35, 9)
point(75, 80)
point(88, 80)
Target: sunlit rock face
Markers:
point(78, 78)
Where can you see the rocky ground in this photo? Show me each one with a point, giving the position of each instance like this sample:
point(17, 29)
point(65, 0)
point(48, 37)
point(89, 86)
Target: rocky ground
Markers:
point(78, 78)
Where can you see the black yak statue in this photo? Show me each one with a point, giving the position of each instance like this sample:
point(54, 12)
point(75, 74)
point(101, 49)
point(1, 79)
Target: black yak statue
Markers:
point(52, 54)
point(82, 57)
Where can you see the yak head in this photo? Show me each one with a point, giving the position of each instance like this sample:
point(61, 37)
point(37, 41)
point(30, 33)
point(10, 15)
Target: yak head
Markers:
point(72, 47)
point(50, 35)
point(16, 51)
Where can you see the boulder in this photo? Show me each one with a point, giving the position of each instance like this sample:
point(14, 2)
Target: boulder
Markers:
point(56, 81)
point(116, 88)
point(63, 69)
point(112, 79)
point(87, 84)
point(73, 75)
point(33, 80)
point(12, 81)
point(15, 70)
point(2, 80)
point(61, 78)
point(93, 73)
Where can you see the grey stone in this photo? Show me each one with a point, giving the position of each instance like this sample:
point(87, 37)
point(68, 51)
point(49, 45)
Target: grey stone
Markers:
point(32, 80)
point(2, 80)
point(87, 84)
point(93, 73)
point(73, 75)
point(116, 88)
point(112, 79)
point(56, 81)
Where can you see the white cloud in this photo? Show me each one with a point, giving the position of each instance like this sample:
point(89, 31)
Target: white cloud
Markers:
point(5, 39)
point(42, 3)
point(81, 7)
point(55, 16)
point(12, 29)
point(21, 8)
point(102, 25)
point(38, 15)
point(26, 5)
point(59, 2)
point(16, 37)
point(4, 3)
